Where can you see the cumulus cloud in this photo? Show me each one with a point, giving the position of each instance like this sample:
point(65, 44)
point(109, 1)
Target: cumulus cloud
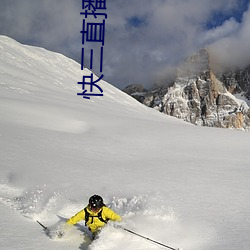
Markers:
point(233, 49)
point(144, 39)
point(171, 31)
point(228, 28)
point(53, 24)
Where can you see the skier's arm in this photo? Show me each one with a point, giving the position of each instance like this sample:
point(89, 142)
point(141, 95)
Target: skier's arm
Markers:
point(77, 217)
point(110, 214)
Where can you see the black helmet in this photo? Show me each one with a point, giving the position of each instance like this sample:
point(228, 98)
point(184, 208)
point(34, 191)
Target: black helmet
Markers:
point(96, 202)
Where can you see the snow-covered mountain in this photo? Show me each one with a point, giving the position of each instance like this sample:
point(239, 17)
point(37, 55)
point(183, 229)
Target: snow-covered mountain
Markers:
point(201, 96)
point(182, 185)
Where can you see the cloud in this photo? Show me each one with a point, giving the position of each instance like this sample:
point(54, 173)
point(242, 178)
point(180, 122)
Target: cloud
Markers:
point(171, 31)
point(228, 28)
point(52, 24)
point(144, 39)
point(233, 49)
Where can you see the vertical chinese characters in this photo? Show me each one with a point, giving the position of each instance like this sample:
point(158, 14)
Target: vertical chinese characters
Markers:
point(92, 32)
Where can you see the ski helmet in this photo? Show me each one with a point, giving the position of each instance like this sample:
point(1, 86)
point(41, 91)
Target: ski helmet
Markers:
point(95, 202)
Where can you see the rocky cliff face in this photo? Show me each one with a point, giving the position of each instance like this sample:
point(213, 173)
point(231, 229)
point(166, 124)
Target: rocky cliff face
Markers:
point(201, 97)
point(237, 81)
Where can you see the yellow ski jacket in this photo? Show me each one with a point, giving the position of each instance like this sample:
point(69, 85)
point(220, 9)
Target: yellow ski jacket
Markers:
point(94, 223)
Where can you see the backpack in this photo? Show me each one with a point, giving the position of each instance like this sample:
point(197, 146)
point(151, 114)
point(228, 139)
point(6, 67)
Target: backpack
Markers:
point(88, 216)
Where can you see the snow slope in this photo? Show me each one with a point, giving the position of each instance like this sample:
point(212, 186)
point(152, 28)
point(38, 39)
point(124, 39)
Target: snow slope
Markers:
point(173, 182)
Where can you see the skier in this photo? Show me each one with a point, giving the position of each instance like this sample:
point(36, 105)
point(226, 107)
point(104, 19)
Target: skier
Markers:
point(95, 214)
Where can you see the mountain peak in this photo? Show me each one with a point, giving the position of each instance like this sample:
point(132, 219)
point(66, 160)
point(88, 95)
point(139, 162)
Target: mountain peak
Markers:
point(200, 96)
point(197, 64)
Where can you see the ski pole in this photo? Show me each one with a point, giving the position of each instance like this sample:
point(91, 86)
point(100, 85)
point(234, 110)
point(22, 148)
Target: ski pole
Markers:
point(146, 238)
point(45, 228)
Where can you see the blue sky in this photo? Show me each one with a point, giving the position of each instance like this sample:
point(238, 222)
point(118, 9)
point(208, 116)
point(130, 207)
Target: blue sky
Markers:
point(218, 17)
point(144, 39)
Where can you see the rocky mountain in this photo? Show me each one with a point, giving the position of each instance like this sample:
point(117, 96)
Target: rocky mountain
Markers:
point(237, 81)
point(200, 96)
